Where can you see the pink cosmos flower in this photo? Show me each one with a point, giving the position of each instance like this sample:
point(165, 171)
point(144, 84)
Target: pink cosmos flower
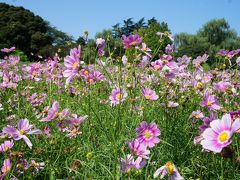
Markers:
point(145, 49)
point(168, 169)
point(6, 146)
point(5, 168)
point(8, 50)
point(156, 65)
point(197, 114)
point(100, 42)
point(172, 104)
point(72, 131)
point(132, 40)
point(148, 134)
point(77, 120)
point(221, 86)
point(47, 131)
point(138, 149)
point(117, 96)
point(24, 128)
point(128, 163)
point(219, 134)
point(210, 101)
point(169, 49)
point(72, 63)
point(149, 94)
point(54, 112)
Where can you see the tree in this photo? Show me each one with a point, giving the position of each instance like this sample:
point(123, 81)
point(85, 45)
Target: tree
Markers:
point(217, 31)
point(28, 32)
point(151, 38)
point(21, 28)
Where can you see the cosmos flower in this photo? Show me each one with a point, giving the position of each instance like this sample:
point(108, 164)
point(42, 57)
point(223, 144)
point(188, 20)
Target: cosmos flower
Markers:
point(24, 128)
point(138, 149)
point(6, 146)
point(156, 65)
point(172, 104)
point(72, 63)
point(131, 40)
point(6, 168)
point(168, 169)
point(54, 113)
point(149, 94)
point(219, 134)
point(197, 114)
point(169, 49)
point(128, 163)
point(77, 120)
point(72, 131)
point(148, 134)
point(221, 86)
point(210, 101)
point(145, 49)
point(8, 50)
point(100, 42)
point(117, 96)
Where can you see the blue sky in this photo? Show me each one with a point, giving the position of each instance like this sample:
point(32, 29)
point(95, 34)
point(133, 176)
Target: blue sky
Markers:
point(76, 16)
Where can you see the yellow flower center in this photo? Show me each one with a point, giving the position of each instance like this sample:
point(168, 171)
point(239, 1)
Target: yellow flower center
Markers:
point(147, 96)
point(34, 73)
point(7, 79)
point(209, 103)
point(223, 136)
point(170, 167)
point(22, 132)
point(85, 72)
point(6, 148)
point(199, 85)
point(156, 67)
point(90, 80)
point(75, 65)
point(118, 96)
point(7, 169)
point(197, 116)
point(147, 134)
point(58, 114)
point(144, 49)
point(74, 131)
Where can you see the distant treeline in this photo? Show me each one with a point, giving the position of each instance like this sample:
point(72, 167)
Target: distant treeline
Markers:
point(35, 36)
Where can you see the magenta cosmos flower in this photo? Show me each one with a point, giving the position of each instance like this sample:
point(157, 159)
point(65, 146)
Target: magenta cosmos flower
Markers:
point(6, 146)
point(148, 134)
point(24, 128)
point(72, 64)
point(117, 96)
point(128, 163)
point(210, 101)
point(149, 94)
point(219, 134)
point(132, 40)
point(100, 42)
point(168, 169)
point(221, 86)
point(138, 149)
point(54, 112)
point(156, 65)
point(8, 50)
point(5, 168)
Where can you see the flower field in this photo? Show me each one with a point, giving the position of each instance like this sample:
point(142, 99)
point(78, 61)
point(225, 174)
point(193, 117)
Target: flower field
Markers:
point(132, 117)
